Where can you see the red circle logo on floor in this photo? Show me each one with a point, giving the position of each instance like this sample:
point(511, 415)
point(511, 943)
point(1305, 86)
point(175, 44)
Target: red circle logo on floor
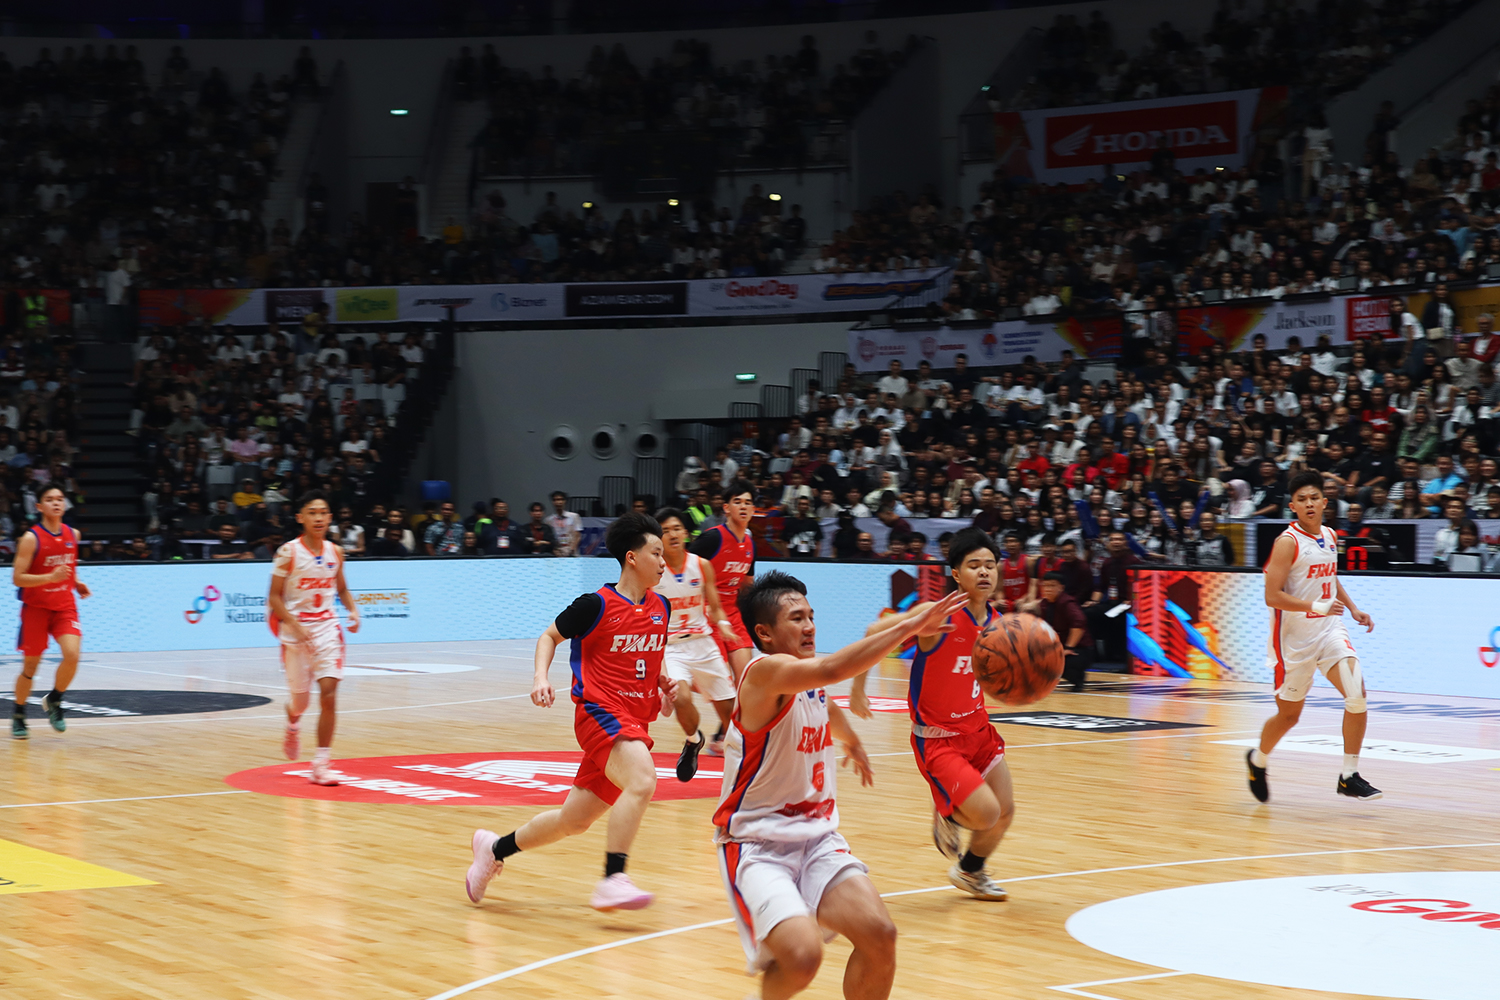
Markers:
point(540, 778)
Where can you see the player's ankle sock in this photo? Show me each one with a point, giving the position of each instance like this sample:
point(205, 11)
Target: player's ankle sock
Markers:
point(55, 694)
point(506, 846)
point(19, 712)
point(1351, 765)
point(614, 864)
point(323, 755)
point(1257, 758)
point(971, 863)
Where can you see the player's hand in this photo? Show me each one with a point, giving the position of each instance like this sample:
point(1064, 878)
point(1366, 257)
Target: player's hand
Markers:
point(726, 630)
point(668, 694)
point(83, 589)
point(353, 625)
point(1362, 618)
point(60, 574)
point(1336, 609)
point(859, 703)
point(855, 753)
point(542, 694)
point(935, 619)
point(299, 634)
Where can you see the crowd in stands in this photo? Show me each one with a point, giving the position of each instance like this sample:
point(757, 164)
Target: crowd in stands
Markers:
point(106, 172)
point(39, 421)
point(770, 113)
point(232, 427)
point(1322, 49)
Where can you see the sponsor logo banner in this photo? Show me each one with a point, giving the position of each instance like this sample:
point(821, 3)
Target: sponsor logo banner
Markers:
point(463, 779)
point(126, 704)
point(1412, 753)
point(289, 305)
point(1101, 136)
point(365, 305)
point(1424, 935)
point(634, 298)
point(1087, 723)
point(26, 869)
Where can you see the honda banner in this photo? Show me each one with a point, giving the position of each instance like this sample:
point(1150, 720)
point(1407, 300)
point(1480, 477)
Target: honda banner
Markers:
point(1075, 145)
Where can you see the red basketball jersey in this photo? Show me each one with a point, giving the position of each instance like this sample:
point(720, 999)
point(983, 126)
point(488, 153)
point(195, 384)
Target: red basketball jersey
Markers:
point(944, 696)
point(617, 662)
point(1014, 575)
point(733, 559)
point(53, 551)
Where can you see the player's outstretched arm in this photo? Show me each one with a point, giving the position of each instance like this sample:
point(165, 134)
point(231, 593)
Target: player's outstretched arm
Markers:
point(783, 674)
point(542, 694)
point(1278, 568)
point(859, 700)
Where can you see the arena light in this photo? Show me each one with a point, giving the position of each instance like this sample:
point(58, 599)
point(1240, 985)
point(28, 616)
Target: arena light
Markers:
point(672, 203)
point(588, 204)
point(774, 197)
point(745, 377)
point(985, 88)
point(400, 112)
point(1219, 170)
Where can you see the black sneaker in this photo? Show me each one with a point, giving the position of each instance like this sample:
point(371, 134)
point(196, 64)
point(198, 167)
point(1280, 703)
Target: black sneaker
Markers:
point(18, 728)
point(53, 708)
point(1358, 788)
point(687, 761)
point(1258, 785)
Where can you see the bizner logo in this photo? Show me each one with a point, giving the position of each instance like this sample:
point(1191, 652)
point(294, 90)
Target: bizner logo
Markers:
point(201, 604)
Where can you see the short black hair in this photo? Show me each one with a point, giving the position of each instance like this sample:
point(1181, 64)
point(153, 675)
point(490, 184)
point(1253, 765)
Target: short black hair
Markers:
point(1302, 480)
point(558, 493)
point(629, 532)
point(966, 541)
point(760, 602)
point(737, 487)
point(49, 488)
point(668, 513)
point(1055, 577)
point(312, 496)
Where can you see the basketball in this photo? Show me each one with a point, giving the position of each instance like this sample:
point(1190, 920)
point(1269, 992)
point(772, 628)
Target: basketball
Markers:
point(1018, 659)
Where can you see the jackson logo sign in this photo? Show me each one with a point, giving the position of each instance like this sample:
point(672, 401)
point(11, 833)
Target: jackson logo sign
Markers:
point(463, 779)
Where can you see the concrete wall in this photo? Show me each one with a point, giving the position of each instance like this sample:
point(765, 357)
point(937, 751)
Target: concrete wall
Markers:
point(897, 140)
point(512, 387)
point(405, 73)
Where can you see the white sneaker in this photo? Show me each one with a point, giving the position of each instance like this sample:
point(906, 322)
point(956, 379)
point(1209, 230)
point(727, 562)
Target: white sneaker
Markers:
point(322, 774)
point(945, 835)
point(619, 893)
point(485, 867)
point(715, 748)
point(291, 743)
point(977, 884)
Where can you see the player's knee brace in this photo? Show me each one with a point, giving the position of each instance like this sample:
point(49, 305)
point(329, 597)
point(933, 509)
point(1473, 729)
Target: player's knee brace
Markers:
point(1354, 685)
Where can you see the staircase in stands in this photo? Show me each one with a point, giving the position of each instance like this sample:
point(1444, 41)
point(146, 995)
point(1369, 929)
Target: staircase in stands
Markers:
point(107, 466)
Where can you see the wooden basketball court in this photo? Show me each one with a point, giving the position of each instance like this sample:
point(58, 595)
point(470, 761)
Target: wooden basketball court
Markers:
point(160, 880)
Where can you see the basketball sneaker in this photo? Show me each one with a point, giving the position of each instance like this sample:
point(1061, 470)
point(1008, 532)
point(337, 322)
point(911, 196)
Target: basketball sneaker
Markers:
point(687, 761)
point(1259, 787)
point(1358, 788)
point(619, 893)
point(715, 746)
point(485, 867)
point(53, 707)
point(18, 729)
point(977, 884)
point(291, 743)
point(946, 836)
point(322, 774)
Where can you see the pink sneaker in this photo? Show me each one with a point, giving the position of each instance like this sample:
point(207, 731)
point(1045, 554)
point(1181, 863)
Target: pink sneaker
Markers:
point(291, 743)
point(485, 867)
point(322, 774)
point(619, 893)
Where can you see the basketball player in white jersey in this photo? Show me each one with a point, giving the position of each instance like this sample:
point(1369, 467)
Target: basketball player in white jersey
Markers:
point(305, 575)
point(789, 874)
point(692, 656)
point(1308, 635)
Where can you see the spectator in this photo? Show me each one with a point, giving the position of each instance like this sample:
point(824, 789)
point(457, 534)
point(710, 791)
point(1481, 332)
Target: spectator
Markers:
point(1058, 609)
point(801, 532)
point(444, 535)
point(389, 545)
point(567, 526)
point(501, 537)
point(538, 537)
point(230, 547)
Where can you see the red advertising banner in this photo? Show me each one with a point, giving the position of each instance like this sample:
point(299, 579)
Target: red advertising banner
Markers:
point(59, 304)
point(177, 306)
point(1368, 317)
point(1095, 138)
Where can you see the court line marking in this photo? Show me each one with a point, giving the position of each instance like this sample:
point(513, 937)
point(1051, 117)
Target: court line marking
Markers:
point(93, 723)
point(189, 677)
point(1310, 706)
point(133, 798)
point(1117, 739)
point(1074, 987)
point(519, 970)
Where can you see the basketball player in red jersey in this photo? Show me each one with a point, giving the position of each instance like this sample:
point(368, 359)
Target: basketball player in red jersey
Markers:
point(305, 575)
point(618, 635)
point(47, 606)
point(788, 871)
point(959, 753)
point(1017, 585)
point(730, 549)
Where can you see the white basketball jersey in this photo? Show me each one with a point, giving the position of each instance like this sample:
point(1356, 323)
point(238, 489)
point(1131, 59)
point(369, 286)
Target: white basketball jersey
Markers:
point(311, 579)
point(684, 591)
point(1313, 576)
point(779, 781)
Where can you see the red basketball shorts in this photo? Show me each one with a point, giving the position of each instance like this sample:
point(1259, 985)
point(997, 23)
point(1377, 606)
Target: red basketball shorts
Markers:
point(38, 624)
point(741, 638)
point(955, 766)
point(598, 728)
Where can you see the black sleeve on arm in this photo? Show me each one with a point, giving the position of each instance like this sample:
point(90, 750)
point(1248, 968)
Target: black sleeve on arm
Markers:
point(580, 616)
point(706, 545)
